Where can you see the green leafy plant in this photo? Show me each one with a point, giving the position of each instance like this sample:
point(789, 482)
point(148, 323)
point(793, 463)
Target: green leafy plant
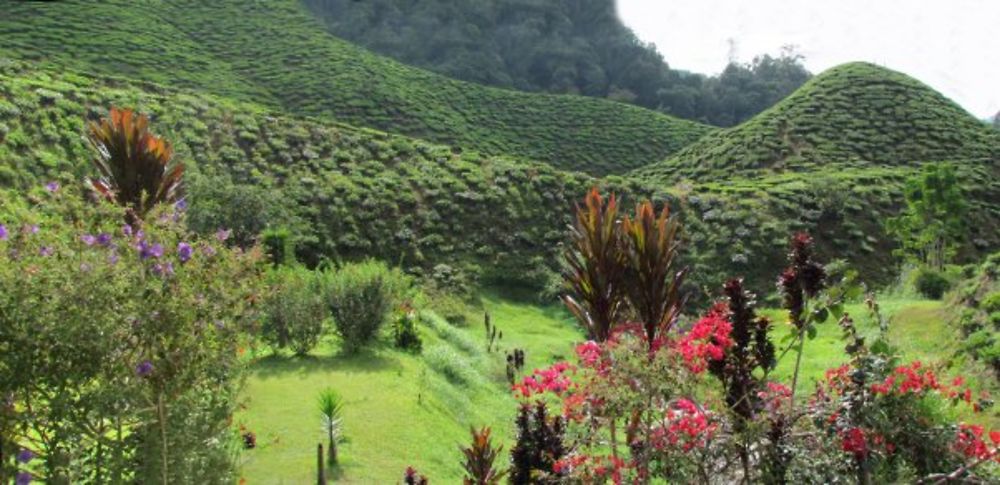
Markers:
point(480, 457)
point(931, 283)
point(136, 168)
point(360, 297)
point(295, 311)
point(405, 332)
point(331, 408)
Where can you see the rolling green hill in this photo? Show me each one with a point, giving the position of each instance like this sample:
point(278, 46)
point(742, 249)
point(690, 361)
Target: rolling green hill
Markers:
point(364, 193)
point(278, 55)
point(855, 114)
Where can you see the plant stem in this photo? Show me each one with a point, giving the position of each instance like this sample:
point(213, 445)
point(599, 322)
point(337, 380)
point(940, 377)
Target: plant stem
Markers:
point(162, 412)
point(798, 363)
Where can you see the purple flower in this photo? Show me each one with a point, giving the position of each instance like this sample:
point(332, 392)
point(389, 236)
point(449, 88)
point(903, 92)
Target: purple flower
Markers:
point(32, 229)
point(223, 234)
point(46, 251)
point(104, 239)
point(181, 205)
point(25, 455)
point(208, 251)
point(52, 187)
point(23, 478)
point(88, 239)
point(127, 230)
point(3, 232)
point(144, 369)
point(163, 269)
point(184, 251)
point(147, 250)
point(113, 258)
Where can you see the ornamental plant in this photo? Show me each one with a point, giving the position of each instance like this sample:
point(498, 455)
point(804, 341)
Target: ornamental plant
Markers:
point(136, 167)
point(121, 348)
point(480, 457)
point(295, 311)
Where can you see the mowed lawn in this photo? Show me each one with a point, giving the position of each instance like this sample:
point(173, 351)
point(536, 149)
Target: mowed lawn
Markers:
point(398, 411)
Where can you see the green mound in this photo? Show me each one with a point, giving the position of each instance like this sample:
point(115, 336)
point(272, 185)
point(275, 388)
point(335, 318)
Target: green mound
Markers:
point(856, 114)
point(276, 54)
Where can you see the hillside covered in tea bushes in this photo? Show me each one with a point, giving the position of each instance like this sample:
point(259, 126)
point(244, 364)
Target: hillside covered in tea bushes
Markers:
point(853, 115)
point(278, 55)
point(348, 193)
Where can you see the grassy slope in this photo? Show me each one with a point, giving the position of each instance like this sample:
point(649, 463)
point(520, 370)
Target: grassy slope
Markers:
point(855, 114)
point(398, 412)
point(389, 429)
point(276, 54)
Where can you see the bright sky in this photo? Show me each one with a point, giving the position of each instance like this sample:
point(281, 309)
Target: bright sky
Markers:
point(951, 45)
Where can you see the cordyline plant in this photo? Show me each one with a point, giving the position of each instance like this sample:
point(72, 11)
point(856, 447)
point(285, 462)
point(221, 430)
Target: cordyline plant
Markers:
point(595, 265)
point(613, 267)
point(653, 283)
point(479, 459)
point(135, 166)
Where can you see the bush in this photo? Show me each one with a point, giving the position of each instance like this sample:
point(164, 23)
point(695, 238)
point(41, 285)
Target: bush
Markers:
point(360, 297)
point(279, 246)
point(931, 283)
point(294, 310)
point(102, 323)
point(405, 333)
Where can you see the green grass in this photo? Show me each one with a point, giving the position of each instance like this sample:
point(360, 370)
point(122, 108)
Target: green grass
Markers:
point(918, 329)
point(279, 55)
point(398, 409)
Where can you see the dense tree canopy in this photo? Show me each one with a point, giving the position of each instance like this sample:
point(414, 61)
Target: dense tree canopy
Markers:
point(565, 46)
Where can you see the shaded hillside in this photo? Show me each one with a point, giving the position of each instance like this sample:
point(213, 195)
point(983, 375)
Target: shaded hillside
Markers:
point(853, 115)
point(278, 55)
point(557, 46)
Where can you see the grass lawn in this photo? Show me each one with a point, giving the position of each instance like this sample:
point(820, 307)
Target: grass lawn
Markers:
point(398, 410)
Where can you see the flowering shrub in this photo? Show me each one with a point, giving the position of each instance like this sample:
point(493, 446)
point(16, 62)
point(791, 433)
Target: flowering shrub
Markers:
point(119, 345)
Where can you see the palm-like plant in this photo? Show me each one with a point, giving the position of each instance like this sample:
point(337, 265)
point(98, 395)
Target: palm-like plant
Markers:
point(331, 407)
point(654, 282)
point(135, 166)
point(595, 264)
point(479, 460)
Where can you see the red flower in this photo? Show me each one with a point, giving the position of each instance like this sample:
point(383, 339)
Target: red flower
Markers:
point(853, 441)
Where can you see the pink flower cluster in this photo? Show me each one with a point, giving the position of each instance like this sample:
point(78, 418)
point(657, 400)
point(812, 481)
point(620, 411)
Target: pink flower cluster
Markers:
point(599, 467)
point(552, 379)
point(707, 340)
point(853, 441)
point(687, 426)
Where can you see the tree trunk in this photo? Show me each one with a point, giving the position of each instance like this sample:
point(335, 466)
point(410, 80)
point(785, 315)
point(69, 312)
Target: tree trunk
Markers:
point(320, 470)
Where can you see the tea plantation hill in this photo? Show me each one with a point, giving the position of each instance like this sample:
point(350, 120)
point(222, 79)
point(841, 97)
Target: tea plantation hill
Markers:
point(358, 192)
point(278, 55)
point(833, 158)
point(856, 114)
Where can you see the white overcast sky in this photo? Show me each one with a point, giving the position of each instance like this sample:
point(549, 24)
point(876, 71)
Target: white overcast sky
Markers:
point(951, 45)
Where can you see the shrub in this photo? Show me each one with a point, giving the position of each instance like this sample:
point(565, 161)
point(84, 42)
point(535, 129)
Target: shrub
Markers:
point(405, 333)
point(931, 283)
point(279, 246)
point(360, 296)
point(294, 310)
point(102, 323)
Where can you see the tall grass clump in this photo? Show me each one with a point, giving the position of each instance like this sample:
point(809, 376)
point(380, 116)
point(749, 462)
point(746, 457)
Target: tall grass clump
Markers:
point(452, 365)
point(449, 333)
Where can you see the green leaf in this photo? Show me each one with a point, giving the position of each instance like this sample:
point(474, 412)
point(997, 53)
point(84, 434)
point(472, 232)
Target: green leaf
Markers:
point(837, 310)
point(811, 332)
point(820, 316)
